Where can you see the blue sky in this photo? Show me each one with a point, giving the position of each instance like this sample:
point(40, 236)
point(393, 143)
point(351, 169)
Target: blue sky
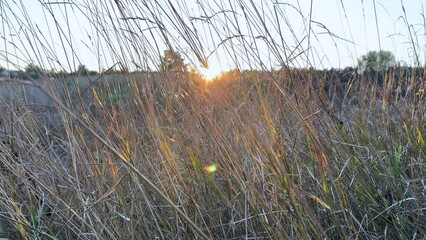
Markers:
point(79, 32)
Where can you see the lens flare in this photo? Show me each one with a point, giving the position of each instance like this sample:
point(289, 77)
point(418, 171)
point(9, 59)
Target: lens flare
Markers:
point(210, 168)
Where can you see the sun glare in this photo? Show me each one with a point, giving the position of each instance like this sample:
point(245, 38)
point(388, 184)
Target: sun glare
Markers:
point(210, 73)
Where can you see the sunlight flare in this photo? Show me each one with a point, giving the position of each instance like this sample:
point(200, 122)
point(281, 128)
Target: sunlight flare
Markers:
point(210, 73)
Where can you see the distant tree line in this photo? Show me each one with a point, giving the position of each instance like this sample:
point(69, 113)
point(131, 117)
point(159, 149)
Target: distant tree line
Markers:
point(171, 61)
point(379, 68)
point(376, 67)
point(36, 72)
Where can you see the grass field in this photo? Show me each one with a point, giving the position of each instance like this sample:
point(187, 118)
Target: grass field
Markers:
point(251, 155)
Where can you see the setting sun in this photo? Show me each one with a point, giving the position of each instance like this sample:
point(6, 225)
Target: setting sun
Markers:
point(210, 73)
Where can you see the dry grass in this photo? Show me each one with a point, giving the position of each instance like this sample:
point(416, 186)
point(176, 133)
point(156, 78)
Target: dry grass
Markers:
point(125, 160)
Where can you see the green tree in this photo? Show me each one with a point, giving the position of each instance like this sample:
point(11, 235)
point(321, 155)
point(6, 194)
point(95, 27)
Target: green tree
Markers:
point(172, 61)
point(376, 60)
point(82, 70)
point(34, 71)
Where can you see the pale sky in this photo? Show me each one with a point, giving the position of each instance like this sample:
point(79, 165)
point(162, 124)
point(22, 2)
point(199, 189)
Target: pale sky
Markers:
point(342, 31)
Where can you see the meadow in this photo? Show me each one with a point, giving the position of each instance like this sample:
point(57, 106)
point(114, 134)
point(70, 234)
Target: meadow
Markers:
point(290, 153)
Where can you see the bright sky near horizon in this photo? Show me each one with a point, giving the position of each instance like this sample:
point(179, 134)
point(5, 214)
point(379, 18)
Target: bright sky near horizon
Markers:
point(342, 31)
